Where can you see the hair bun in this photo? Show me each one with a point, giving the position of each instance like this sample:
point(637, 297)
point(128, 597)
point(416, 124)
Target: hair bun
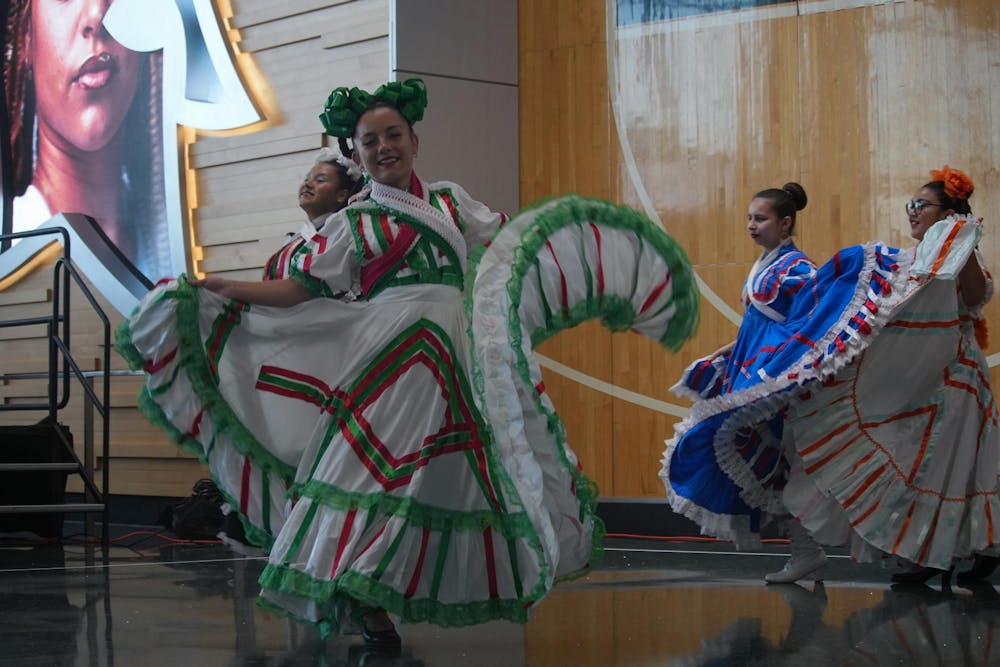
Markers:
point(797, 193)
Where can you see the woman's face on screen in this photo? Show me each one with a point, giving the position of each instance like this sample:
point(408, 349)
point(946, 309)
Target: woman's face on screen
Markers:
point(84, 80)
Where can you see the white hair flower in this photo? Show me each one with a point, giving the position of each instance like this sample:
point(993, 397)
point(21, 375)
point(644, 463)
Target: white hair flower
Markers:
point(331, 156)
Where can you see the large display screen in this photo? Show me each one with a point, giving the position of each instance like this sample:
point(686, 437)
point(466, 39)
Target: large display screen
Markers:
point(94, 93)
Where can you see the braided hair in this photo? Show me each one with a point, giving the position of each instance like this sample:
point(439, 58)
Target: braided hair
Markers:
point(141, 197)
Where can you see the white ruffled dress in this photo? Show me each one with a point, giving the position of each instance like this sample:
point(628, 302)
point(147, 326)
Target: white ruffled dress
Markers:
point(390, 442)
point(899, 450)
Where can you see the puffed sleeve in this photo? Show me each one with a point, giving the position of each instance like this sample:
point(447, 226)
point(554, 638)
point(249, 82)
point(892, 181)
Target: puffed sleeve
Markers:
point(479, 223)
point(800, 271)
point(777, 284)
point(328, 264)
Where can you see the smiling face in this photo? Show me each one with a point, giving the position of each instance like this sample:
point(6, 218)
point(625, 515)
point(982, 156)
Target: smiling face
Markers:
point(385, 146)
point(84, 80)
point(764, 226)
point(924, 210)
point(321, 191)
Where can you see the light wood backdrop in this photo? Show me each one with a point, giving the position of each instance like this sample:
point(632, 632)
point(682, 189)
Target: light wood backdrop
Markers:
point(684, 119)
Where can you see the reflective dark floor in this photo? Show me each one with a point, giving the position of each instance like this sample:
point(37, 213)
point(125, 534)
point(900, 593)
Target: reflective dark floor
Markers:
point(150, 601)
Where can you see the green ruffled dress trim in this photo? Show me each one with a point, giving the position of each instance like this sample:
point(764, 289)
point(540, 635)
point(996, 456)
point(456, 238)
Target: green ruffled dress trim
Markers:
point(335, 593)
point(615, 312)
point(351, 584)
point(193, 361)
point(509, 524)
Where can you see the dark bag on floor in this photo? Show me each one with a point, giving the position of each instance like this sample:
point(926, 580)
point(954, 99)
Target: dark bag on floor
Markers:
point(199, 517)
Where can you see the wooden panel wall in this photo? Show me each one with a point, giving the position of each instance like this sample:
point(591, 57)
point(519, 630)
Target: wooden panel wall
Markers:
point(855, 100)
point(567, 145)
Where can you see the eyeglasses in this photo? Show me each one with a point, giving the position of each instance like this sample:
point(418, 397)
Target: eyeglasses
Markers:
point(915, 206)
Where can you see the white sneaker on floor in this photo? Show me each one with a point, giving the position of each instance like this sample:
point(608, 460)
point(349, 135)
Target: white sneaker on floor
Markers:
point(799, 566)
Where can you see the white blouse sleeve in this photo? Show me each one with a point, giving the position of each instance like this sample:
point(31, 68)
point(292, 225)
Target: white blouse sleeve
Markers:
point(479, 222)
point(328, 264)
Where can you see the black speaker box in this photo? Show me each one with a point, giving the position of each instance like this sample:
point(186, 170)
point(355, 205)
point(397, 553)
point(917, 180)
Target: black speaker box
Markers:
point(38, 443)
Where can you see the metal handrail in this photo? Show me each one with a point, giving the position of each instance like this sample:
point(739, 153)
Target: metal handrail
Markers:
point(104, 405)
point(59, 347)
point(51, 323)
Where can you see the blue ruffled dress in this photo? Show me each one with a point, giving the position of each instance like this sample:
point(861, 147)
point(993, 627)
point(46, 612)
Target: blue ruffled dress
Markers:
point(725, 467)
point(696, 483)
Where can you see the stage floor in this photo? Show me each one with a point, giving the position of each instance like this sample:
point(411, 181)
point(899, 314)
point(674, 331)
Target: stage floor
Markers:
point(153, 602)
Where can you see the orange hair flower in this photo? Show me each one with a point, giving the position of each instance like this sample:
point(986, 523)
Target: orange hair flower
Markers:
point(956, 184)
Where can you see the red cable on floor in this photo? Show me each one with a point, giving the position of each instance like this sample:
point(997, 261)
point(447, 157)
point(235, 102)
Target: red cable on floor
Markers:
point(686, 538)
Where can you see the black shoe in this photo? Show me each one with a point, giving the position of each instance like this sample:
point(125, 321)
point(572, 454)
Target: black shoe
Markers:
point(980, 571)
point(922, 576)
point(381, 639)
point(983, 592)
point(904, 598)
point(366, 656)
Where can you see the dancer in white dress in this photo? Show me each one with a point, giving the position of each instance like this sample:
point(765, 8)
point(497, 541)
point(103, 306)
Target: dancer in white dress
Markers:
point(393, 448)
point(898, 451)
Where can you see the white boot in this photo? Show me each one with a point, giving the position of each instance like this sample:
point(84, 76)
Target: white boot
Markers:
point(808, 557)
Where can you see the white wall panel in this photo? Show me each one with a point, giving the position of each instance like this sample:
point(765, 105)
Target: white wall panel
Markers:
point(466, 52)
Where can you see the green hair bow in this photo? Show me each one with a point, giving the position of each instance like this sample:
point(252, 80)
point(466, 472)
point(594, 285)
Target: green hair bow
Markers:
point(345, 105)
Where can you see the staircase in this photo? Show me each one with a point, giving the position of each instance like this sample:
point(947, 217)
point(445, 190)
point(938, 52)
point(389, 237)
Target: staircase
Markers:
point(42, 454)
